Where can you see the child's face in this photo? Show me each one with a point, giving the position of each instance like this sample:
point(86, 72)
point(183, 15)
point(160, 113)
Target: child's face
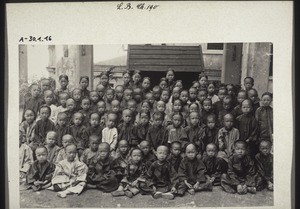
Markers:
point(71, 153)
point(85, 104)
point(221, 94)
point(266, 100)
point(176, 120)
point(70, 105)
point(119, 92)
point(100, 91)
point(103, 152)
point(84, 83)
point(146, 84)
point(127, 117)
point(193, 108)
point(170, 76)
point(128, 94)
point(246, 107)
point(207, 105)
point(101, 107)
point(164, 96)
point(110, 95)
point(162, 153)
point(48, 98)
point(203, 81)
point(63, 83)
point(94, 143)
point(150, 98)
point(77, 120)
point(240, 150)
point(35, 91)
point(202, 96)
point(194, 119)
point(137, 95)
point(252, 94)
point(144, 119)
point(176, 93)
point(94, 120)
point(111, 121)
point(132, 106)
point(136, 78)
point(228, 122)
point(177, 106)
point(161, 107)
point(211, 123)
point(211, 89)
point(51, 139)
point(176, 149)
point(211, 151)
point(156, 94)
point(227, 104)
point(179, 85)
point(44, 113)
point(45, 85)
point(196, 85)
point(241, 97)
point(193, 94)
point(115, 107)
point(163, 84)
point(248, 83)
point(123, 147)
point(62, 120)
point(265, 148)
point(77, 95)
point(41, 155)
point(126, 78)
point(136, 156)
point(94, 97)
point(29, 116)
point(145, 147)
point(230, 89)
point(190, 152)
point(63, 100)
point(184, 97)
point(145, 106)
point(104, 80)
point(157, 121)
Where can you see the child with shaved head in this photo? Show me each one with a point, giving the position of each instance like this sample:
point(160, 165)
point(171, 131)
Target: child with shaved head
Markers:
point(61, 155)
point(100, 173)
point(161, 177)
point(52, 148)
point(191, 173)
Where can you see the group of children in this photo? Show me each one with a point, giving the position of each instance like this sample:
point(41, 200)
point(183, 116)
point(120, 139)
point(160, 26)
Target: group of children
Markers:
point(163, 141)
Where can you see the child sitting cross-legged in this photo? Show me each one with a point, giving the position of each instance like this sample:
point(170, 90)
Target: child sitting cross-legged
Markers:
point(148, 156)
point(40, 172)
point(70, 174)
point(175, 155)
point(215, 166)
point(132, 176)
point(191, 173)
point(240, 177)
point(161, 177)
point(90, 154)
point(100, 173)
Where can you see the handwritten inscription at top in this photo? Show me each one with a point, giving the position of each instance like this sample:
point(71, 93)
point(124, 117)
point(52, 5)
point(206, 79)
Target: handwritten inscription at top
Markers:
point(140, 6)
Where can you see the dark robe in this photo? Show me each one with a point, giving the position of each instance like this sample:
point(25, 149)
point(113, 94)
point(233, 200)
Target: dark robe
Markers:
point(101, 174)
point(204, 114)
point(217, 107)
point(210, 136)
point(70, 116)
point(240, 171)
point(134, 172)
point(86, 117)
point(139, 133)
point(149, 159)
point(264, 166)
point(161, 175)
point(125, 132)
point(195, 135)
point(88, 156)
point(215, 167)
point(40, 172)
point(85, 93)
point(119, 165)
point(77, 132)
point(238, 110)
point(264, 117)
point(89, 131)
point(42, 127)
point(157, 136)
point(175, 161)
point(61, 131)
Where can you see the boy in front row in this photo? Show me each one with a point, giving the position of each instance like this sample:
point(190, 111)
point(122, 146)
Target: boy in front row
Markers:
point(241, 173)
point(161, 177)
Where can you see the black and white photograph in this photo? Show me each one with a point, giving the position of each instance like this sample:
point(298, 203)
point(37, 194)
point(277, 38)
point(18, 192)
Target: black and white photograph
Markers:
point(167, 124)
point(149, 105)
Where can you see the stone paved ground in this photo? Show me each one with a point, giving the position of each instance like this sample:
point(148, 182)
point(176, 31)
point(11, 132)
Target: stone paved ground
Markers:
point(94, 198)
